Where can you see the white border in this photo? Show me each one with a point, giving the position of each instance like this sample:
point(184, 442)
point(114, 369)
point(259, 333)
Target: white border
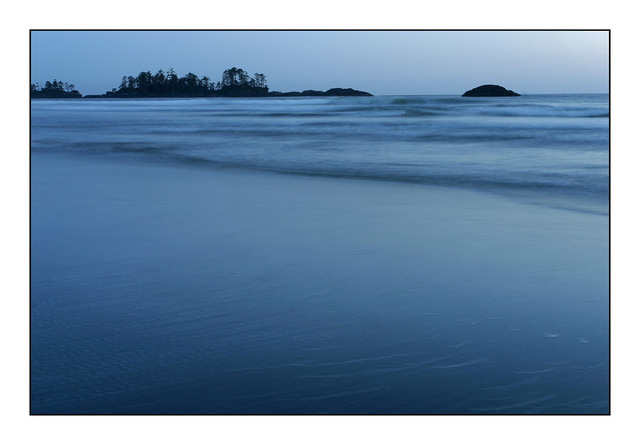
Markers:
point(21, 428)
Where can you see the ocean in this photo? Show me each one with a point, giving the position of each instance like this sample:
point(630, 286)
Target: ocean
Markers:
point(347, 255)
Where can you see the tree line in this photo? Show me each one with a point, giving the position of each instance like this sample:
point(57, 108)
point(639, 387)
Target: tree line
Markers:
point(54, 89)
point(234, 82)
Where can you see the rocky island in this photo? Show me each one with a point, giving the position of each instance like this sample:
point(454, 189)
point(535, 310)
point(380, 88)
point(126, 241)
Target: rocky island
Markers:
point(330, 92)
point(489, 91)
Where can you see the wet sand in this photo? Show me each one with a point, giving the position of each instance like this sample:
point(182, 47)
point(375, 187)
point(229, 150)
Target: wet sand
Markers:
point(182, 289)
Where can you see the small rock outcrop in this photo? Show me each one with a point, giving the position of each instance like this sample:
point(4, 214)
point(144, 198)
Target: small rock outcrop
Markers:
point(489, 91)
point(330, 92)
point(346, 92)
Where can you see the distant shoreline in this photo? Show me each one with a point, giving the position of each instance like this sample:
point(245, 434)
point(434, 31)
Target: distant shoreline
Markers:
point(333, 92)
point(235, 83)
point(289, 94)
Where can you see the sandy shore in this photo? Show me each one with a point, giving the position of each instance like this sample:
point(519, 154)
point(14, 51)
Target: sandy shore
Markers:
point(160, 288)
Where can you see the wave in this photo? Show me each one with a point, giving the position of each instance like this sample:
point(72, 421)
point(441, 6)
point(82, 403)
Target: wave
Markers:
point(443, 106)
point(517, 182)
point(333, 162)
point(407, 106)
point(544, 145)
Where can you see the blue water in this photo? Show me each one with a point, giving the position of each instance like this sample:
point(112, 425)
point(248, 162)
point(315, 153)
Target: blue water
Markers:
point(554, 143)
point(464, 271)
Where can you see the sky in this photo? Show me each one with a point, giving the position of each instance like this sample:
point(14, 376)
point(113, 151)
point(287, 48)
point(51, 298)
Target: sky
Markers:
point(380, 62)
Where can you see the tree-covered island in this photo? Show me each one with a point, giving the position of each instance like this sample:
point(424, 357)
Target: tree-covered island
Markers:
point(235, 82)
point(54, 89)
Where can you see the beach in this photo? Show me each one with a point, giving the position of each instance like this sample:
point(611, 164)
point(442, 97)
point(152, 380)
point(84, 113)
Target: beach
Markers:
point(165, 287)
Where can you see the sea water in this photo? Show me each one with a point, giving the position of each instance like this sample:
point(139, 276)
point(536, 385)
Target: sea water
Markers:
point(414, 254)
point(555, 144)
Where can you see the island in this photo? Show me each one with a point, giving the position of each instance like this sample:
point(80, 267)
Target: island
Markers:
point(489, 91)
point(235, 82)
point(329, 92)
point(54, 90)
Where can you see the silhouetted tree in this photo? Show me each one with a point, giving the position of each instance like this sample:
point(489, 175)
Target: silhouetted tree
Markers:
point(235, 82)
point(229, 77)
point(172, 80)
point(143, 82)
point(260, 80)
point(206, 83)
point(243, 77)
point(159, 80)
point(54, 89)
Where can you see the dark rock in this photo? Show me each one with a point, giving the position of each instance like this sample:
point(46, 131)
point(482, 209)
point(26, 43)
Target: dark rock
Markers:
point(298, 93)
point(241, 91)
point(330, 92)
point(345, 92)
point(55, 94)
point(489, 91)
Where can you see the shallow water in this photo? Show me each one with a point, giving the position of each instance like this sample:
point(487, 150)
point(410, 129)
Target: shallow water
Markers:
point(174, 287)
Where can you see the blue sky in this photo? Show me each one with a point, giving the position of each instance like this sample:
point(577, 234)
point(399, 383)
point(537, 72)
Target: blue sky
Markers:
point(381, 62)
